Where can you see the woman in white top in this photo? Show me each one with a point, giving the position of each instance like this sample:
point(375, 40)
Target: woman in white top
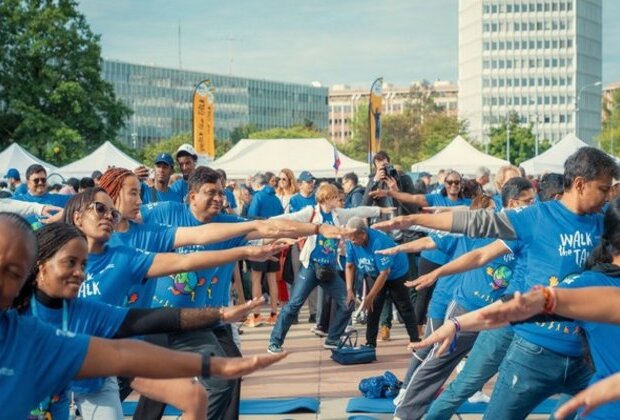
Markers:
point(287, 187)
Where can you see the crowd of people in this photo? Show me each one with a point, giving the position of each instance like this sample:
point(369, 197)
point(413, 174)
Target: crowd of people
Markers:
point(188, 261)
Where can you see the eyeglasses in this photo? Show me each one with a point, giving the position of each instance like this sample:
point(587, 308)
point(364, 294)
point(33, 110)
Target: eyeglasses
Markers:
point(283, 179)
point(453, 182)
point(102, 210)
point(38, 181)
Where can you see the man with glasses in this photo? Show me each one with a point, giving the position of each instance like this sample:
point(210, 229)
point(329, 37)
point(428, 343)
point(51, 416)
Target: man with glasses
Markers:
point(36, 177)
point(305, 196)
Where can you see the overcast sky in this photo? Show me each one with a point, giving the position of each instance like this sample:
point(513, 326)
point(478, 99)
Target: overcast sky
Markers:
point(331, 41)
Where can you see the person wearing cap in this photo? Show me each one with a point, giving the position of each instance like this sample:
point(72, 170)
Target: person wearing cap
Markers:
point(305, 196)
point(15, 183)
point(186, 159)
point(160, 191)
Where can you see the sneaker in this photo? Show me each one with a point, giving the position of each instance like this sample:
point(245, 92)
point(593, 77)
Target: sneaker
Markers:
point(318, 330)
point(401, 394)
point(384, 333)
point(312, 319)
point(328, 344)
point(253, 321)
point(272, 319)
point(350, 329)
point(274, 348)
point(479, 397)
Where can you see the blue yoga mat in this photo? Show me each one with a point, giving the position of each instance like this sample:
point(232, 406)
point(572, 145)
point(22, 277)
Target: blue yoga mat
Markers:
point(279, 406)
point(385, 405)
point(129, 407)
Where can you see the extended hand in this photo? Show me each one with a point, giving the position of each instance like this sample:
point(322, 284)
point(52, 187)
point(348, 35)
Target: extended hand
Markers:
point(264, 252)
point(443, 335)
point(519, 308)
point(422, 282)
point(389, 251)
point(240, 312)
point(235, 367)
point(399, 222)
point(378, 193)
point(52, 214)
point(602, 392)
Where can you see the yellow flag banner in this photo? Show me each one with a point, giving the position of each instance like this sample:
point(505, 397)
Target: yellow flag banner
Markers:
point(375, 107)
point(203, 118)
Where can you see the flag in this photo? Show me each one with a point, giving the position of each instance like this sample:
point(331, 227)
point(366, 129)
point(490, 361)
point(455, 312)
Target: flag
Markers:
point(203, 113)
point(375, 106)
point(336, 164)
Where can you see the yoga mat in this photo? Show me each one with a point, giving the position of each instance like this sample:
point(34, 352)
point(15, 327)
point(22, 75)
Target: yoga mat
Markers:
point(279, 406)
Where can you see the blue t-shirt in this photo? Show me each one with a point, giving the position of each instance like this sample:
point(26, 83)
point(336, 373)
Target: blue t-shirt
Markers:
point(558, 244)
point(59, 200)
point(181, 188)
point(298, 202)
point(36, 360)
point(147, 193)
point(196, 289)
point(21, 189)
point(440, 200)
point(368, 262)
point(83, 317)
point(111, 274)
point(445, 286)
point(230, 197)
point(265, 204)
point(326, 249)
point(499, 204)
point(602, 339)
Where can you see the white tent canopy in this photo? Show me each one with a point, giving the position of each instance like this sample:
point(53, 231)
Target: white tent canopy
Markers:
point(107, 155)
point(552, 160)
point(460, 156)
point(315, 155)
point(19, 158)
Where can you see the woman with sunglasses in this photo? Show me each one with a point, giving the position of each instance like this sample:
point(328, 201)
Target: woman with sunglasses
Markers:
point(451, 195)
point(287, 187)
point(113, 269)
point(50, 295)
point(38, 359)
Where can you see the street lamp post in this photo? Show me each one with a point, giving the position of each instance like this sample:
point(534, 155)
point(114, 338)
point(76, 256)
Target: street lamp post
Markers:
point(508, 139)
point(577, 98)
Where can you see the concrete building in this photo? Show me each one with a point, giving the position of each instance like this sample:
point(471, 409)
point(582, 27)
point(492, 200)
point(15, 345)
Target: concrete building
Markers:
point(538, 58)
point(344, 101)
point(161, 100)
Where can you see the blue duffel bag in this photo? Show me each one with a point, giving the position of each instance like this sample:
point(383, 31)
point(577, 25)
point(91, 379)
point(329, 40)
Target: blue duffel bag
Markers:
point(349, 353)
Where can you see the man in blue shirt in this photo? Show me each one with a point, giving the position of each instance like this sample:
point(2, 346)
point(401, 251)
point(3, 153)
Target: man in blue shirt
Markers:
point(264, 205)
point(15, 183)
point(305, 196)
point(36, 176)
point(384, 272)
point(164, 168)
point(186, 159)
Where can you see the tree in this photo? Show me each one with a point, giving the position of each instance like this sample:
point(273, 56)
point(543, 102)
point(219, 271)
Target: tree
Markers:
point(609, 138)
point(242, 132)
point(53, 99)
point(295, 132)
point(437, 131)
point(357, 146)
point(522, 141)
point(170, 146)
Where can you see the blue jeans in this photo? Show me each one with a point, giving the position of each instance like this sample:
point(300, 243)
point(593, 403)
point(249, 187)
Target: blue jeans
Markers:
point(529, 374)
point(304, 284)
point(483, 361)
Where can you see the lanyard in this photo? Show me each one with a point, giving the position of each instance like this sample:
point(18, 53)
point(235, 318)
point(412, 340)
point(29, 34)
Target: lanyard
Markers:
point(65, 315)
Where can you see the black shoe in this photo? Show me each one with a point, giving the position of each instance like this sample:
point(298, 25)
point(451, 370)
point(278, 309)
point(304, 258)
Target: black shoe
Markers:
point(312, 319)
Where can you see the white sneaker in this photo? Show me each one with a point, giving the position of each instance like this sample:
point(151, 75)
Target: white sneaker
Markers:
point(399, 398)
point(479, 397)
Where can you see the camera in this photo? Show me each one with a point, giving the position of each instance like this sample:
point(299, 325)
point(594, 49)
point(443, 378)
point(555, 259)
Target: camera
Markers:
point(390, 171)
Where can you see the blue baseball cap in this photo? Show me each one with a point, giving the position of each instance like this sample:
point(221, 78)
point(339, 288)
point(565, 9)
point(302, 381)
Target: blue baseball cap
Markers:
point(305, 176)
point(164, 158)
point(12, 173)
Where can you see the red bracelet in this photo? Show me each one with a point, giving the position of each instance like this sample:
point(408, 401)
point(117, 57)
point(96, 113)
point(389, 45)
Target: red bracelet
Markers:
point(549, 297)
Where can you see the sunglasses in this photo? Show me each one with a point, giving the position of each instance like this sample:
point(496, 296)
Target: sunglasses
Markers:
point(453, 182)
point(38, 181)
point(102, 210)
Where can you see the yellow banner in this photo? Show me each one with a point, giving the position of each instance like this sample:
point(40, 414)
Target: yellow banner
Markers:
point(203, 127)
point(375, 107)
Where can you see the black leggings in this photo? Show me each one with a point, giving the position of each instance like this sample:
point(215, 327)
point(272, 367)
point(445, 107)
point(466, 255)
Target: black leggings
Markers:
point(424, 296)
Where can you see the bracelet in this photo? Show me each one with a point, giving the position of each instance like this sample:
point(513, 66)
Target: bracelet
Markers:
point(549, 296)
point(205, 370)
point(220, 313)
point(456, 323)
point(316, 229)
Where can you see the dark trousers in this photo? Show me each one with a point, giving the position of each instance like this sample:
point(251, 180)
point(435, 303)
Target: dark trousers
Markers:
point(224, 394)
point(386, 313)
point(400, 296)
point(424, 296)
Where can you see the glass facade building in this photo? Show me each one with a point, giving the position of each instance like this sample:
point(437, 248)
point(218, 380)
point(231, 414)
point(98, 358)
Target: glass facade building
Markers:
point(540, 59)
point(161, 102)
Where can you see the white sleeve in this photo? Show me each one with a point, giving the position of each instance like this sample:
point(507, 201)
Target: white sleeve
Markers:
point(302, 215)
point(23, 208)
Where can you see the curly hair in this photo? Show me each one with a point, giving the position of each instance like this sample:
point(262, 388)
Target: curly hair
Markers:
point(112, 181)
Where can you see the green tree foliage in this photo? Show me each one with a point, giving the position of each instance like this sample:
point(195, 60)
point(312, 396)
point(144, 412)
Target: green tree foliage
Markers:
point(242, 132)
point(53, 99)
point(295, 132)
point(609, 138)
point(522, 141)
point(170, 146)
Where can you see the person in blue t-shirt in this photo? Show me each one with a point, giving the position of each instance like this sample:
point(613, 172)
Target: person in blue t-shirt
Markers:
point(37, 359)
point(187, 159)
point(264, 205)
point(160, 191)
point(36, 178)
point(55, 280)
point(572, 227)
point(383, 272)
point(305, 197)
point(15, 182)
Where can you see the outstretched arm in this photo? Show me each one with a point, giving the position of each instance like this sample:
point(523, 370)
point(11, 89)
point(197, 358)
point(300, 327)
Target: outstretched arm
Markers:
point(422, 244)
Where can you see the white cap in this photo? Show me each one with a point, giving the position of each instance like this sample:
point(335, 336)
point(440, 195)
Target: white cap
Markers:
point(187, 148)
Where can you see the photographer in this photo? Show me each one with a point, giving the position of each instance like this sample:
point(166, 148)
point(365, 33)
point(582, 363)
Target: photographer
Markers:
point(384, 176)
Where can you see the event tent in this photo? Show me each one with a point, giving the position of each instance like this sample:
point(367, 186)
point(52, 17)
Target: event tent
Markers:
point(106, 155)
point(460, 156)
point(248, 157)
point(19, 158)
point(552, 160)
